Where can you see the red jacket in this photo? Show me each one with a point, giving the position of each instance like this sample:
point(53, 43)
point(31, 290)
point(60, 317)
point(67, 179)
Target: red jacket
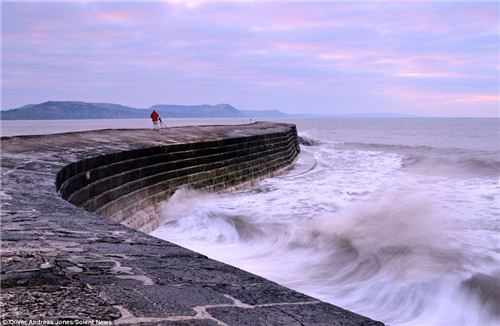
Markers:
point(154, 116)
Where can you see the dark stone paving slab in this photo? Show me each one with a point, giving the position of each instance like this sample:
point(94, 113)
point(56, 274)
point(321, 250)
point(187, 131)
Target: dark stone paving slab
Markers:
point(62, 263)
point(288, 314)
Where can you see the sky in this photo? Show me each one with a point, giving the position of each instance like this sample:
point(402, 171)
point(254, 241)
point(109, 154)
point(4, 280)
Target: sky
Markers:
point(421, 58)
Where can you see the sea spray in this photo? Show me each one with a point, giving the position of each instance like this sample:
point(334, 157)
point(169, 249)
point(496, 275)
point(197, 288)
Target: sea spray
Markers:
point(404, 233)
point(370, 260)
point(315, 228)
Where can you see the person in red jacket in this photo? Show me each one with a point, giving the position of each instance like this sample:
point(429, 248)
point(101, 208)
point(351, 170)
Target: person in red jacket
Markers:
point(155, 117)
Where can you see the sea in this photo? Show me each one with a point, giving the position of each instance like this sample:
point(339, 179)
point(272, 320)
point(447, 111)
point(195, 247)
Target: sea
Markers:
point(395, 219)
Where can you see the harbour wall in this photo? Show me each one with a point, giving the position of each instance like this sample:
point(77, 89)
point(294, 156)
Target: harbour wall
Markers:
point(72, 205)
point(128, 186)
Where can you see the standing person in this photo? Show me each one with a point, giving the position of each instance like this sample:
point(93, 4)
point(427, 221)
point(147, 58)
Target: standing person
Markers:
point(155, 116)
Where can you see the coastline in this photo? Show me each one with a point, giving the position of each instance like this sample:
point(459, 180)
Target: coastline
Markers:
point(102, 270)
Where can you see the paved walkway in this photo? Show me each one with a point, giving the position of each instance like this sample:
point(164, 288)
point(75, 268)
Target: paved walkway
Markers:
point(62, 263)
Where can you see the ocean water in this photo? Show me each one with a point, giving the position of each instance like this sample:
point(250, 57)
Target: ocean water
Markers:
point(395, 219)
point(42, 127)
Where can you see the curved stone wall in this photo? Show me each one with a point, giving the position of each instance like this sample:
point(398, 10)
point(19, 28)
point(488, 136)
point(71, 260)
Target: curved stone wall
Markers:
point(63, 263)
point(127, 186)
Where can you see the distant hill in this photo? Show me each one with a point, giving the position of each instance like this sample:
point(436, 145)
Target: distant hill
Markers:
point(197, 111)
point(58, 110)
point(118, 107)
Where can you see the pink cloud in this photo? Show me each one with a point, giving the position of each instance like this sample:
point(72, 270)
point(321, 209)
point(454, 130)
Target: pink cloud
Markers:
point(419, 53)
point(117, 16)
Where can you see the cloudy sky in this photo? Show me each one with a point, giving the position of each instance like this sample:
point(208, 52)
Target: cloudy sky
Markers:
point(425, 58)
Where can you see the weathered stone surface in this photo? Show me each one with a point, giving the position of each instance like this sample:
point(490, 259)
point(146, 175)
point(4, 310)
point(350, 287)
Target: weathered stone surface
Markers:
point(62, 262)
point(301, 313)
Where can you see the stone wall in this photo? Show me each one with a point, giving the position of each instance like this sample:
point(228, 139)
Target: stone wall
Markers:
point(127, 186)
point(63, 263)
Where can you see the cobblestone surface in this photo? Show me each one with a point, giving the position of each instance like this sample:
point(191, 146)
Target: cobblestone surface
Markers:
point(62, 263)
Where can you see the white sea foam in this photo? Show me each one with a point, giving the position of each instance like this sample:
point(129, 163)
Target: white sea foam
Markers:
point(357, 226)
point(396, 219)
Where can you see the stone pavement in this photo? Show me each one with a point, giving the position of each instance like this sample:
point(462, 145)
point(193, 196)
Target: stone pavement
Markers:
point(64, 265)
